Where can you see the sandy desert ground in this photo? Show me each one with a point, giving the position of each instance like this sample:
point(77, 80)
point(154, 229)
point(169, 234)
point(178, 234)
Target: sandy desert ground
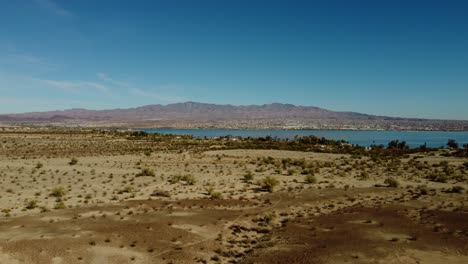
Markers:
point(68, 197)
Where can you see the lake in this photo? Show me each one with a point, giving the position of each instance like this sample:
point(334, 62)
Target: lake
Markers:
point(360, 137)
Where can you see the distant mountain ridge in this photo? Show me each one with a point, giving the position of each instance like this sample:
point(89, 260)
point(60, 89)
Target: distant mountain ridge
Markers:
point(192, 111)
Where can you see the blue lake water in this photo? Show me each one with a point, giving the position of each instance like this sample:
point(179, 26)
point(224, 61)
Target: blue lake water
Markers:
point(362, 138)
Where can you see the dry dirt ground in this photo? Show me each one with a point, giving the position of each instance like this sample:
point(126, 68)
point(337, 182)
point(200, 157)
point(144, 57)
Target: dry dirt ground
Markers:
point(198, 207)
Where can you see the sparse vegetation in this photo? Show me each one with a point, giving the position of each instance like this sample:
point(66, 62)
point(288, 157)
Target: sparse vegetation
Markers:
point(31, 204)
point(59, 205)
point(248, 177)
point(189, 179)
point(146, 172)
point(391, 182)
point(216, 195)
point(269, 183)
point(58, 192)
point(455, 189)
point(310, 179)
point(161, 193)
point(195, 190)
point(73, 161)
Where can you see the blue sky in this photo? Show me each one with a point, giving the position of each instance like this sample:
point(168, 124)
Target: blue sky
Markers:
point(397, 58)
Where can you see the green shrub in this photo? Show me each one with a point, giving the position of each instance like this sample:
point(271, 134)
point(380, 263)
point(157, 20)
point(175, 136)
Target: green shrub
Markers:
point(248, 177)
point(175, 179)
point(310, 179)
point(146, 172)
point(269, 183)
point(58, 192)
point(189, 179)
point(60, 205)
point(31, 204)
point(216, 196)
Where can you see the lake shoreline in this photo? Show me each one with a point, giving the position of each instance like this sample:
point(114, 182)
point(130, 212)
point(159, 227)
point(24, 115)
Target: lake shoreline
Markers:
point(436, 139)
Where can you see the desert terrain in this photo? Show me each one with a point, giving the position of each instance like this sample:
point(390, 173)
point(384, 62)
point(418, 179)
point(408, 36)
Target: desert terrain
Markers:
point(202, 115)
point(91, 196)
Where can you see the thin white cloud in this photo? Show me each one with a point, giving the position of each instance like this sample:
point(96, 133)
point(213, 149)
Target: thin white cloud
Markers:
point(52, 7)
point(97, 86)
point(103, 76)
point(26, 61)
point(76, 85)
point(106, 78)
point(141, 92)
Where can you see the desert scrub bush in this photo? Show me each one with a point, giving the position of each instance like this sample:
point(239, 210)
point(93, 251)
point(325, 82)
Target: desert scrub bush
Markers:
point(363, 176)
point(146, 172)
point(73, 161)
point(268, 160)
point(31, 204)
point(248, 177)
point(189, 179)
point(310, 179)
point(59, 205)
point(306, 171)
point(175, 179)
point(391, 182)
point(58, 192)
point(437, 177)
point(160, 193)
point(126, 189)
point(216, 196)
point(267, 219)
point(269, 183)
point(39, 165)
point(6, 212)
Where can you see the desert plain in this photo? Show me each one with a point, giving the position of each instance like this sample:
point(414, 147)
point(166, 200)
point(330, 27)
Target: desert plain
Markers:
point(91, 196)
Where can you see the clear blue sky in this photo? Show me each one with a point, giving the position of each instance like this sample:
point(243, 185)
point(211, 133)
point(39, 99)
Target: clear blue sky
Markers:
point(397, 58)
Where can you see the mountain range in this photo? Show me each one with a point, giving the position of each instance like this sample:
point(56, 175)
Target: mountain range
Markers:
point(191, 111)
